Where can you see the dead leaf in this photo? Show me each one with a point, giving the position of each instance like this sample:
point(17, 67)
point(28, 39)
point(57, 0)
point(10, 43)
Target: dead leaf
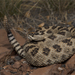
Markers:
point(47, 17)
point(41, 25)
point(69, 22)
point(18, 28)
point(27, 14)
point(30, 30)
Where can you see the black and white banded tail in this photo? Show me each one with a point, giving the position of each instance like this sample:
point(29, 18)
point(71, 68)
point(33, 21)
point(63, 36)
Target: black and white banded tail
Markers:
point(12, 39)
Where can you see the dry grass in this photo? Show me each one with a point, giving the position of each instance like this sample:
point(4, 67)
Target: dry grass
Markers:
point(9, 7)
point(58, 5)
point(20, 9)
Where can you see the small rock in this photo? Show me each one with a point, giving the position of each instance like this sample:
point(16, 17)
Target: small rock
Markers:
point(31, 67)
point(16, 65)
point(18, 58)
point(10, 62)
point(24, 62)
point(60, 68)
point(63, 65)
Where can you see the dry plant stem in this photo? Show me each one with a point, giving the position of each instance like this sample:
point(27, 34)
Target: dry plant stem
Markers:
point(34, 5)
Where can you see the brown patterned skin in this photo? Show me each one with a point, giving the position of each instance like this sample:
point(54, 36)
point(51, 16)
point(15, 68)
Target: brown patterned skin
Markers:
point(58, 46)
point(49, 45)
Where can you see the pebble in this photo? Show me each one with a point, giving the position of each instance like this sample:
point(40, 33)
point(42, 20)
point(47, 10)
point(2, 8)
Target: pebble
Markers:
point(10, 62)
point(16, 65)
point(18, 58)
point(60, 68)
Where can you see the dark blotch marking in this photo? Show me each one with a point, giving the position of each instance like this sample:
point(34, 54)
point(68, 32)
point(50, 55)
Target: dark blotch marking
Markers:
point(35, 51)
point(71, 29)
point(57, 47)
point(73, 36)
point(22, 55)
point(32, 34)
point(36, 62)
point(34, 42)
point(19, 49)
point(74, 30)
point(67, 50)
point(43, 40)
point(62, 33)
point(25, 44)
point(17, 45)
point(49, 61)
point(49, 31)
point(8, 31)
point(60, 27)
point(68, 41)
point(42, 32)
point(54, 27)
point(36, 33)
point(39, 28)
point(73, 49)
point(46, 51)
point(11, 39)
point(22, 52)
point(10, 35)
point(46, 26)
point(28, 47)
point(14, 42)
point(65, 29)
point(43, 64)
point(52, 37)
point(63, 57)
point(54, 56)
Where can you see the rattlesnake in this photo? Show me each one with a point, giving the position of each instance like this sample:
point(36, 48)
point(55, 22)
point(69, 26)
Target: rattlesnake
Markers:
point(48, 45)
